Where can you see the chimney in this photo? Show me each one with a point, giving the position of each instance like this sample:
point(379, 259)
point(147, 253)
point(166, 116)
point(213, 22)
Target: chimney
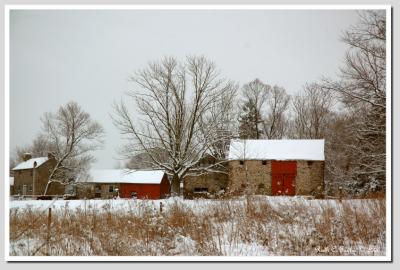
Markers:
point(27, 156)
point(34, 180)
point(50, 155)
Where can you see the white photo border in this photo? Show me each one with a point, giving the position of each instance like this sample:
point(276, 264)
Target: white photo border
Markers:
point(389, 222)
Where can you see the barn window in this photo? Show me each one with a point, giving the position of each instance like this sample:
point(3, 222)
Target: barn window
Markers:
point(110, 189)
point(241, 162)
point(309, 163)
point(70, 189)
point(201, 190)
point(264, 162)
point(97, 189)
point(30, 187)
point(261, 186)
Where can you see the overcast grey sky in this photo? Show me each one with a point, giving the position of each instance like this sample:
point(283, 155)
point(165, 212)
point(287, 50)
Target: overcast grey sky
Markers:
point(87, 56)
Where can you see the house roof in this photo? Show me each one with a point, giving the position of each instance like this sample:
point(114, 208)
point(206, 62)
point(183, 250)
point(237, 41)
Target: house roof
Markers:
point(29, 163)
point(277, 150)
point(123, 176)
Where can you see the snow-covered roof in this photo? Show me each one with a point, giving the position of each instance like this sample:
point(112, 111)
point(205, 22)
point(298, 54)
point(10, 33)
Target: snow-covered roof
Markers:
point(11, 181)
point(277, 150)
point(29, 163)
point(123, 176)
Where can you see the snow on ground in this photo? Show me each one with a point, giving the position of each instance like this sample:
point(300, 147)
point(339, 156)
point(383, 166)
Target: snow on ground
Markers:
point(197, 205)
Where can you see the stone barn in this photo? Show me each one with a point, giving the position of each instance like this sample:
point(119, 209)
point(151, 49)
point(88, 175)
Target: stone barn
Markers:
point(276, 167)
point(106, 184)
point(206, 184)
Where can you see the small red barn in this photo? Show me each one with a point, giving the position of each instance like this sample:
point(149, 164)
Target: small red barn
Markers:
point(146, 184)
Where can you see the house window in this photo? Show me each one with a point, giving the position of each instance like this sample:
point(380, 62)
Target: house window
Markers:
point(264, 162)
point(97, 189)
point(309, 163)
point(241, 162)
point(261, 186)
point(30, 188)
point(201, 190)
point(110, 189)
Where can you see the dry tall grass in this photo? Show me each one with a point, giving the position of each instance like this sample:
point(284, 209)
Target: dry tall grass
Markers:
point(259, 226)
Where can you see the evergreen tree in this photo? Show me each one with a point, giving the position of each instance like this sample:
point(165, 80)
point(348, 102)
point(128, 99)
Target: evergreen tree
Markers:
point(250, 122)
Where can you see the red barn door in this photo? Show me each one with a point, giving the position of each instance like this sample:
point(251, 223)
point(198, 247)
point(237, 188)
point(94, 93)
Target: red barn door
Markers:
point(283, 177)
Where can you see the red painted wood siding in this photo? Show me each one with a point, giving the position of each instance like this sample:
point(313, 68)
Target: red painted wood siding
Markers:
point(146, 191)
point(283, 177)
point(284, 167)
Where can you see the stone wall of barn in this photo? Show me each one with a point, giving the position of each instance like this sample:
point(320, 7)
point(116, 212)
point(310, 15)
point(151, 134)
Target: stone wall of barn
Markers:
point(213, 182)
point(88, 190)
point(310, 177)
point(85, 191)
point(255, 177)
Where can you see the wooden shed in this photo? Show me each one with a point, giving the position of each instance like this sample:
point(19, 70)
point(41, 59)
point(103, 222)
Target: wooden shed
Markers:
point(144, 184)
point(277, 167)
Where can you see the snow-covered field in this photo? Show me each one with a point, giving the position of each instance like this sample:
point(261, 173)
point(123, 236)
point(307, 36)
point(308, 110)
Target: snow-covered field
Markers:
point(257, 226)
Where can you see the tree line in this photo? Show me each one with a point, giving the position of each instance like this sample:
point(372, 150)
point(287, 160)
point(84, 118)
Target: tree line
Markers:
point(184, 111)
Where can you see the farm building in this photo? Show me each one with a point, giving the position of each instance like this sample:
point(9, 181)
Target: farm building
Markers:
point(150, 184)
point(11, 185)
point(31, 176)
point(276, 167)
point(208, 183)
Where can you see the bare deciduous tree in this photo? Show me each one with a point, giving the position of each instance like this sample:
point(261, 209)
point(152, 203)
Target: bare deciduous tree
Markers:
point(363, 77)
point(362, 88)
point(276, 121)
point(312, 110)
point(263, 111)
point(255, 95)
point(73, 135)
point(181, 111)
point(39, 147)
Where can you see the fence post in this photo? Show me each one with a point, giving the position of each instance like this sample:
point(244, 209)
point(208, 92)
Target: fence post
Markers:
point(94, 220)
point(48, 232)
